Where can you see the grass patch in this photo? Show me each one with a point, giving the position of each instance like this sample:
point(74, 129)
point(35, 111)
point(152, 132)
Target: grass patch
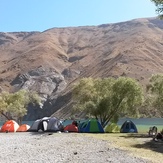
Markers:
point(139, 145)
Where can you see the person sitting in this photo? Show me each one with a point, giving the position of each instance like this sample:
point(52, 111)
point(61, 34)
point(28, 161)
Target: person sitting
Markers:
point(159, 136)
point(75, 123)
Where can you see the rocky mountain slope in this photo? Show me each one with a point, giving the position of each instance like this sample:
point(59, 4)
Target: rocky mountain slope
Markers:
point(49, 62)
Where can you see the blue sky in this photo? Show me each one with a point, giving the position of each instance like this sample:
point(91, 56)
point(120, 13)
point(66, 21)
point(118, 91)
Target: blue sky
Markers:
point(40, 15)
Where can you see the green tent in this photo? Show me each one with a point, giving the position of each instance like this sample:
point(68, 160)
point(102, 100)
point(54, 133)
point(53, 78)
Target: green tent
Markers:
point(112, 128)
point(91, 126)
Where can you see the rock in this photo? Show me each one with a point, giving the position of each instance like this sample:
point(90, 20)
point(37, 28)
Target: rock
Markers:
point(75, 153)
point(47, 82)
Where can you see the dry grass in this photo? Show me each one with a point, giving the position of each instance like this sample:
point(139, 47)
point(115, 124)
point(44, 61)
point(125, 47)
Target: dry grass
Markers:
point(139, 145)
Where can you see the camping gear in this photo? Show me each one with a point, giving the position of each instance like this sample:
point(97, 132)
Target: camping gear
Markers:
point(158, 137)
point(54, 124)
point(91, 126)
point(128, 127)
point(47, 124)
point(152, 131)
point(112, 127)
point(23, 128)
point(10, 126)
point(71, 128)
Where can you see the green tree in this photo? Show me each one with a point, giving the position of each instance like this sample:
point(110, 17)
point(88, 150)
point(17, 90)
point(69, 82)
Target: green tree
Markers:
point(14, 105)
point(107, 99)
point(155, 92)
point(159, 9)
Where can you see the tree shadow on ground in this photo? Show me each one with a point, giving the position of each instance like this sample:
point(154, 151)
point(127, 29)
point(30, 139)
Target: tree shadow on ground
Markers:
point(135, 135)
point(147, 143)
point(152, 145)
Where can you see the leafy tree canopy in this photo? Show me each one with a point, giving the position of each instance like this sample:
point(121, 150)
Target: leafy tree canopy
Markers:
point(107, 99)
point(14, 105)
point(155, 90)
point(159, 5)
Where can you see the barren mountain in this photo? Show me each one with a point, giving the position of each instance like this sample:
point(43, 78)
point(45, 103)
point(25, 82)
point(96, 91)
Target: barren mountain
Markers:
point(50, 62)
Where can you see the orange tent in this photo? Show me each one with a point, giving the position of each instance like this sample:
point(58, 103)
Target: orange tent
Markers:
point(10, 126)
point(71, 128)
point(23, 128)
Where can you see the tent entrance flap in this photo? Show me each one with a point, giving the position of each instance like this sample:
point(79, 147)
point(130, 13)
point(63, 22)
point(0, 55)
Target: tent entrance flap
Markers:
point(45, 125)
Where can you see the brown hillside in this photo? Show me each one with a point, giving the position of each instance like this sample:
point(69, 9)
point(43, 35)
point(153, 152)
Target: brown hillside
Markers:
point(52, 59)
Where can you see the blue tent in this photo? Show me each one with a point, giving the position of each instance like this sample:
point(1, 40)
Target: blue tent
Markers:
point(128, 127)
point(91, 126)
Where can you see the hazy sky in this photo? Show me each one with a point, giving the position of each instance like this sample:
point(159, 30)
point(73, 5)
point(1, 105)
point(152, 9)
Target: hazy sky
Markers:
point(39, 15)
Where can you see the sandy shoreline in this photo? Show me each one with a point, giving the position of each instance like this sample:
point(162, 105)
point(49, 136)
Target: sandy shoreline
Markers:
point(60, 148)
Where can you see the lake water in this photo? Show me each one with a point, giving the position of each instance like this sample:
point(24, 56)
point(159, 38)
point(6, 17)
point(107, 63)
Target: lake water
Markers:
point(143, 121)
point(142, 124)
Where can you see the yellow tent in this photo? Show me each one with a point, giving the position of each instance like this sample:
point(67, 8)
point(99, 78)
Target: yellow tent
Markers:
point(112, 128)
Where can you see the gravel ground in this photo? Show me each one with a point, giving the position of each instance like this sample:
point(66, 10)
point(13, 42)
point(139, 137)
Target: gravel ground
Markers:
point(30, 147)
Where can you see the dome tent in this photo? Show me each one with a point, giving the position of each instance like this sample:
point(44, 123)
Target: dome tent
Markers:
point(54, 125)
point(50, 124)
point(91, 126)
point(71, 128)
point(23, 128)
point(10, 126)
point(128, 127)
point(112, 128)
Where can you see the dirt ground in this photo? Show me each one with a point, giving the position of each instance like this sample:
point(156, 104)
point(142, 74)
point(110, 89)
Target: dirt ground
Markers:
point(139, 145)
point(29, 147)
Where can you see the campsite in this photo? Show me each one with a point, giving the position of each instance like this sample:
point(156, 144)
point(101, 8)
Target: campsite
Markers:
point(80, 147)
point(98, 142)
point(81, 81)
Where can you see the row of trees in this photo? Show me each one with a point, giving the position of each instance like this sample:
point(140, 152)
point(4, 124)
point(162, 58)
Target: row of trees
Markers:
point(14, 105)
point(105, 99)
point(108, 99)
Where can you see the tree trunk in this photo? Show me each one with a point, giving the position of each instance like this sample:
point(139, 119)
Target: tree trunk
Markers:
point(19, 120)
point(8, 117)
